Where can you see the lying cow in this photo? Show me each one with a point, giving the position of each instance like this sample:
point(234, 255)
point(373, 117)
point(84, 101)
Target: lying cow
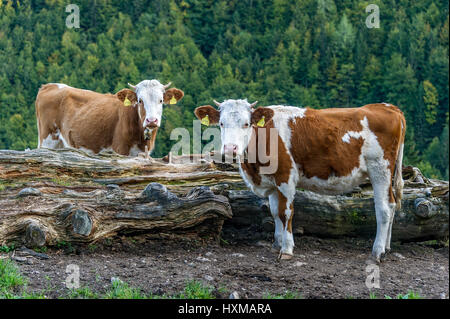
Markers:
point(328, 151)
point(126, 122)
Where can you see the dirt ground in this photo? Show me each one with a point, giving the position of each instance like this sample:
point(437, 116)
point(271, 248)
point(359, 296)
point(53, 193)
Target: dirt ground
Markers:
point(321, 268)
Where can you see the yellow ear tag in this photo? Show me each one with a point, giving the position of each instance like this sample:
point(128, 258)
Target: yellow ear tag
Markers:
point(261, 122)
point(205, 120)
point(173, 100)
point(126, 102)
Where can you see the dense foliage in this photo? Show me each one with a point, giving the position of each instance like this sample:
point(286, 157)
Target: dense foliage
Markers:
point(316, 53)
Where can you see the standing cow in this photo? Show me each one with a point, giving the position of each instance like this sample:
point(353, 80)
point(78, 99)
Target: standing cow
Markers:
point(328, 151)
point(126, 122)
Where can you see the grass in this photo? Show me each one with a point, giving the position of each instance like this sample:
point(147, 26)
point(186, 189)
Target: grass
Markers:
point(82, 293)
point(66, 246)
point(42, 249)
point(10, 279)
point(6, 248)
point(196, 290)
point(14, 286)
point(410, 295)
point(121, 290)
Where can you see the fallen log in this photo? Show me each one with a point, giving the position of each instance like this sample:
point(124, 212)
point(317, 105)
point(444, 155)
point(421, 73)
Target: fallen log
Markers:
point(49, 196)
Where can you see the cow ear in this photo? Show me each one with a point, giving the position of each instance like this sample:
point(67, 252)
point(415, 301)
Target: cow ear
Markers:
point(172, 96)
point(261, 116)
point(207, 110)
point(127, 97)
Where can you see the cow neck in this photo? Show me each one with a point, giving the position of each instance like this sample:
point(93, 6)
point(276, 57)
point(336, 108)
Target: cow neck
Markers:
point(134, 131)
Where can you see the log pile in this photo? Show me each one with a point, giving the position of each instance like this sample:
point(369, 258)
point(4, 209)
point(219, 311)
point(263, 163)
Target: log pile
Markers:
point(49, 196)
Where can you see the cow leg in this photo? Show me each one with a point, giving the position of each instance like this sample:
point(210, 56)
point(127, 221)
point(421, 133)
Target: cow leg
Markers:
point(278, 237)
point(391, 220)
point(380, 179)
point(285, 213)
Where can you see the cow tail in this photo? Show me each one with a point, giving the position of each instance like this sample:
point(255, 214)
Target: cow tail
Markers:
point(398, 179)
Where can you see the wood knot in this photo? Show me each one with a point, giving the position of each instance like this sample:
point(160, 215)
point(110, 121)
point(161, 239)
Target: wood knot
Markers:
point(81, 223)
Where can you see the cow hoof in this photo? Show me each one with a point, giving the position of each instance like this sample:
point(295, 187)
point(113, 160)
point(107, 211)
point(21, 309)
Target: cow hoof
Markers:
point(284, 256)
point(377, 259)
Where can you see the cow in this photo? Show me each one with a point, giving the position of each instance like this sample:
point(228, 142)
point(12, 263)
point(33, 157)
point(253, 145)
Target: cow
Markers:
point(125, 122)
point(327, 151)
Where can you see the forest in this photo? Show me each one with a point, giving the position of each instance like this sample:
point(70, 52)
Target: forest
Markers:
point(315, 53)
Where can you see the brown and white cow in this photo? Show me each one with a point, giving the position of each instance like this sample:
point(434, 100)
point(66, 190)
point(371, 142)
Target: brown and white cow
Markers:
point(125, 122)
point(328, 151)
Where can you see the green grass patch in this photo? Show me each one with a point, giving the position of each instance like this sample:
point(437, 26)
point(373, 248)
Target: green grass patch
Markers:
point(42, 249)
point(7, 248)
point(121, 290)
point(10, 279)
point(83, 293)
point(410, 295)
point(196, 290)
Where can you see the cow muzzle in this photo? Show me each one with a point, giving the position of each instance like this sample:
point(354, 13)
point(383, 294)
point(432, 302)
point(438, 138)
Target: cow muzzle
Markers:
point(230, 149)
point(151, 122)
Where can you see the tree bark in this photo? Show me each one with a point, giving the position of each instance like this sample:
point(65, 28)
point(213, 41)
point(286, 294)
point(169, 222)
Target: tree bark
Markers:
point(49, 196)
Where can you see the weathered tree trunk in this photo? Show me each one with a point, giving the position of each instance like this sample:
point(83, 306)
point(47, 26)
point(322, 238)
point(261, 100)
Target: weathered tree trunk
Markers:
point(67, 195)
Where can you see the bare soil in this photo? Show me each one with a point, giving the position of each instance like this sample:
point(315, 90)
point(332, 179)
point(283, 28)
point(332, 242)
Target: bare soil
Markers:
point(321, 268)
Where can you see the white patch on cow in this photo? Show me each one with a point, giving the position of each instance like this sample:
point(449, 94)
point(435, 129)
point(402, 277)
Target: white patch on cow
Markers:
point(52, 143)
point(64, 142)
point(39, 134)
point(282, 116)
point(234, 115)
point(278, 237)
point(350, 134)
point(288, 190)
point(61, 85)
point(134, 151)
point(151, 93)
point(386, 104)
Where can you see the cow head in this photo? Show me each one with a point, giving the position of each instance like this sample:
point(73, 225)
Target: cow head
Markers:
point(236, 119)
point(149, 96)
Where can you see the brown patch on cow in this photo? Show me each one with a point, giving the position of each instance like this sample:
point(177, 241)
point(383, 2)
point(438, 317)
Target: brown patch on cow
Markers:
point(259, 113)
point(282, 206)
point(213, 114)
point(173, 92)
point(127, 93)
point(151, 141)
point(280, 156)
point(317, 146)
point(389, 126)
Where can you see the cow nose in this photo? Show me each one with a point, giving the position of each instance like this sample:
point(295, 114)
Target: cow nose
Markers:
point(152, 122)
point(230, 148)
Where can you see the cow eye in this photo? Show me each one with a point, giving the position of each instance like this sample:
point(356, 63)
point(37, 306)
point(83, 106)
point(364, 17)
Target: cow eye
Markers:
point(246, 125)
point(221, 124)
point(160, 101)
